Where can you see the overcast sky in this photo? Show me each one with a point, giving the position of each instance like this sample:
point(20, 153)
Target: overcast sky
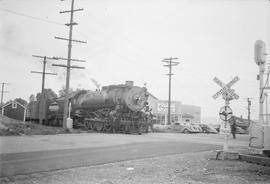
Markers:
point(127, 39)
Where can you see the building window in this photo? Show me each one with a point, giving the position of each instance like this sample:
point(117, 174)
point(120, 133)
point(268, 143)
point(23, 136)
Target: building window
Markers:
point(174, 118)
point(14, 106)
point(161, 119)
point(158, 120)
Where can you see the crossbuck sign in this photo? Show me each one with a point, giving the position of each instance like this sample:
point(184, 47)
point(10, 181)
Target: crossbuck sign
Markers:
point(226, 89)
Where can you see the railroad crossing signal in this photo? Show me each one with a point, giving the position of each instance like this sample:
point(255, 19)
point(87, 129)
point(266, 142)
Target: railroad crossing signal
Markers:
point(226, 90)
point(225, 113)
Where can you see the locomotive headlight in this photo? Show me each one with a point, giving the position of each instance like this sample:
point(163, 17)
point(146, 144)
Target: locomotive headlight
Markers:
point(138, 99)
point(135, 98)
point(141, 99)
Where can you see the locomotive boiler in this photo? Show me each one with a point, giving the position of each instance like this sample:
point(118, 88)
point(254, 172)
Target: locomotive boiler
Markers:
point(114, 108)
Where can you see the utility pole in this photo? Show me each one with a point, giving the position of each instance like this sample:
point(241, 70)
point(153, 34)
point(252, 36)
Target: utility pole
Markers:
point(42, 101)
point(266, 86)
point(266, 107)
point(261, 73)
point(170, 63)
point(248, 108)
point(68, 65)
point(260, 53)
point(2, 92)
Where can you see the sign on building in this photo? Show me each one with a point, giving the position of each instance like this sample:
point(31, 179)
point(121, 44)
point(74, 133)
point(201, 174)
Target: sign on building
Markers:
point(162, 107)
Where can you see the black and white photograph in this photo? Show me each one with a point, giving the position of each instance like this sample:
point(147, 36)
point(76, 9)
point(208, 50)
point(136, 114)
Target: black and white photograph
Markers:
point(134, 91)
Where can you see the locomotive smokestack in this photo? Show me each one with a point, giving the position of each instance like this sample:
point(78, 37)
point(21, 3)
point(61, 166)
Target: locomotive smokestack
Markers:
point(95, 82)
point(129, 83)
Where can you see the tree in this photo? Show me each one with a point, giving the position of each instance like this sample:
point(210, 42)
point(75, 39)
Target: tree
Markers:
point(49, 94)
point(62, 91)
point(21, 101)
point(7, 102)
point(32, 98)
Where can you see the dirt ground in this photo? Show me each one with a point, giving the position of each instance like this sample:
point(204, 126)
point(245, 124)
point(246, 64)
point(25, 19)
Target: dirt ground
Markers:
point(9, 127)
point(187, 168)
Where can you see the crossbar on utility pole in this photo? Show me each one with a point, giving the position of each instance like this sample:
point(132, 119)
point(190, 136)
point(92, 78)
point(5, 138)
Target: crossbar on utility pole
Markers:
point(68, 11)
point(65, 66)
point(170, 63)
point(61, 58)
point(70, 40)
point(42, 101)
point(68, 59)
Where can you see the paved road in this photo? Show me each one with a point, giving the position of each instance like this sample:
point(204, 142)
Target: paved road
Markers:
point(30, 162)
point(124, 147)
point(18, 144)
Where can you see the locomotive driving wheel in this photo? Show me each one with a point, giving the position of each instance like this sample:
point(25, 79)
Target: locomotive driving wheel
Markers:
point(88, 125)
point(107, 127)
point(98, 126)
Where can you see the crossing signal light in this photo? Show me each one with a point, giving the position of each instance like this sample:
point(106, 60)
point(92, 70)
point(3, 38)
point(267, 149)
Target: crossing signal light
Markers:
point(259, 51)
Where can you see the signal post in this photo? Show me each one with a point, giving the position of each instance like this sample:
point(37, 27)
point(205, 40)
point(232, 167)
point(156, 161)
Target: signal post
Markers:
point(260, 132)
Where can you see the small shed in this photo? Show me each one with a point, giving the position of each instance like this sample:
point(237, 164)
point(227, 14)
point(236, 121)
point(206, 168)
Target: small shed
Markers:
point(14, 110)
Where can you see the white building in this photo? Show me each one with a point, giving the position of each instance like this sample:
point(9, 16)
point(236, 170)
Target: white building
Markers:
point(179, 112)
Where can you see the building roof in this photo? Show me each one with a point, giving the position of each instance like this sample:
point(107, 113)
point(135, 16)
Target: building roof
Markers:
point(186, 115)
point(150, 94)
point(13, 101)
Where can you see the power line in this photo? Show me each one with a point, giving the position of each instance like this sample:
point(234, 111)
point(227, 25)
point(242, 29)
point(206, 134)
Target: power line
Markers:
point(30, 16)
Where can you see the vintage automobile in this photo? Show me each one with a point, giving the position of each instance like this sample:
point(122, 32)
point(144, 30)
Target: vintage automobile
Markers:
point(196, 127)
point(183, 127)
point(208, 129)
point(240, 130)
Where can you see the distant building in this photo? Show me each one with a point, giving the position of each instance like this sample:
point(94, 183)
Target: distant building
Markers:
point(179, 111)
point(191, 113)
point(241, 122)
point(14, 110)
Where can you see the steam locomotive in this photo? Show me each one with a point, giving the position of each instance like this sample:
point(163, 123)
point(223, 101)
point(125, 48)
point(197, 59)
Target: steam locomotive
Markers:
point(115, 108)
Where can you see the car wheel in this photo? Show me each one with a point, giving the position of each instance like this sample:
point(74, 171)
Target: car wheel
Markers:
point(186, 131)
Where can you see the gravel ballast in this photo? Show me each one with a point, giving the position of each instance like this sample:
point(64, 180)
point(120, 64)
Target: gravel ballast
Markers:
point(200, 167)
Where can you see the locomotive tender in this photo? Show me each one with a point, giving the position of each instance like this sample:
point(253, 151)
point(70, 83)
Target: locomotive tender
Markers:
point(115, 108)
